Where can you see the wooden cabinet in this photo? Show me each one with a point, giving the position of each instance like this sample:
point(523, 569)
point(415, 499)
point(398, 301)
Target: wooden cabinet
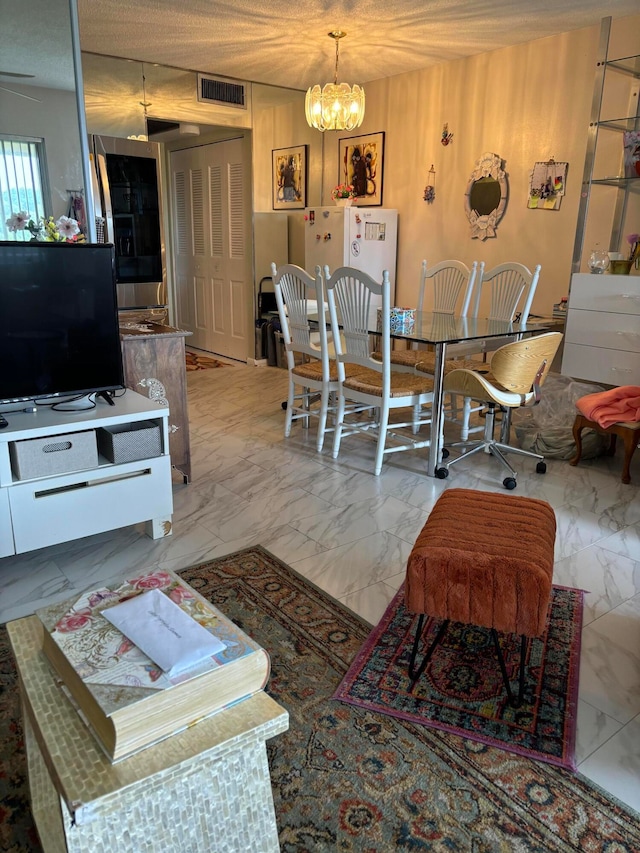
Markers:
point(154, 365)
point(602, 340)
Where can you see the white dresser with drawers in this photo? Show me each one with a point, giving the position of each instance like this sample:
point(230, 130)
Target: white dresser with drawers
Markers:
point(602, 336)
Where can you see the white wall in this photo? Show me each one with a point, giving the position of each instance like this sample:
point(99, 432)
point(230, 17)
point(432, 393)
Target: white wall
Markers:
point(115, 89)
point(526, 103)
point(279, 122)
point(54, 118)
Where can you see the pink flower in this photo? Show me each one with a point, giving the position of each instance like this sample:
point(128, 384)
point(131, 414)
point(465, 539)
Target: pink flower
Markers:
point(18, 221)
point(74, 621)
point(155, 580)
point(634, 241)
point(180, 594)
point(67, 227)
point(343, 191)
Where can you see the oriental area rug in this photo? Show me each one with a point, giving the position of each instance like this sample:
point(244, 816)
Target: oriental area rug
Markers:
point(461, 690)
point(346, 778)
point(195, 361)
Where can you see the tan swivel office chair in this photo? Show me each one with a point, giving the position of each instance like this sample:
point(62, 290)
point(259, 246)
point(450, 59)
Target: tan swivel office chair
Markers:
point(513, 379)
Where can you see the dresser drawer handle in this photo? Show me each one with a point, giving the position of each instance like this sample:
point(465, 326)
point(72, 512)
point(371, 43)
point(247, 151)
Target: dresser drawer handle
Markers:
point(621, 370)
point(629, 296)
point(629, 334)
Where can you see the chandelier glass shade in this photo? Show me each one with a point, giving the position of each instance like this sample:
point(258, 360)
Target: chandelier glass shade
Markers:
point(335, 106)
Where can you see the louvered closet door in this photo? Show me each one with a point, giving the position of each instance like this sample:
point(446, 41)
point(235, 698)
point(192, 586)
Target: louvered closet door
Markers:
point(211, 248)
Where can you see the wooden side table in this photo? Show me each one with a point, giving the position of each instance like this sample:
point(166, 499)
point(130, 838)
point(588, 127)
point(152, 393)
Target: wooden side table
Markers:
point(629, 432)
point(205, 788)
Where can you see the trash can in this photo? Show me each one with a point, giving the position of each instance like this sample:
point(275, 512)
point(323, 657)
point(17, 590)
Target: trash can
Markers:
point(272, 327)
point(281, 355)
point(261, 338)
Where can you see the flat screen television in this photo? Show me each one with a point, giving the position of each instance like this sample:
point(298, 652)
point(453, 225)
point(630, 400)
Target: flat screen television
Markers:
point(59, 334)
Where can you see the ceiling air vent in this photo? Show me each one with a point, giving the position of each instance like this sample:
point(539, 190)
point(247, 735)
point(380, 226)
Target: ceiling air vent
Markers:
point(230, 93)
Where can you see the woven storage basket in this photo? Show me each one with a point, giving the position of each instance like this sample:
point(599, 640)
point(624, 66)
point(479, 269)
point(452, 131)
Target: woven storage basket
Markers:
point(129, 442)
point(55, 454)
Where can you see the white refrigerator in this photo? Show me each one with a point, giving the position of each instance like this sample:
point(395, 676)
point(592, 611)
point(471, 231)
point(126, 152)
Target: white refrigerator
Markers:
point(362, 237)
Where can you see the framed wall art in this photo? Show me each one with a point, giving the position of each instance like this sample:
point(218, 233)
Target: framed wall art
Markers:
point(361, 160)
point(289, 177)
point(547, 185)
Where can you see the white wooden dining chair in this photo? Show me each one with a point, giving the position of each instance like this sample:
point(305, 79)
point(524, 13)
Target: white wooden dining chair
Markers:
point(451, 284)
point(511, 287)
point(368, 382)
point(313, 378)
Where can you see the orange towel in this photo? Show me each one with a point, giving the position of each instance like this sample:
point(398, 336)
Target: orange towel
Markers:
point(611, 407)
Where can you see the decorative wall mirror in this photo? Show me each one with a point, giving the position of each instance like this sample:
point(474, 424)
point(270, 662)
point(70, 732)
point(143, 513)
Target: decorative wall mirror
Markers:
point(486, 196)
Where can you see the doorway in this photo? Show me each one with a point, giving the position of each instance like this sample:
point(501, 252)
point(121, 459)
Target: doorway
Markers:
point(212, 246)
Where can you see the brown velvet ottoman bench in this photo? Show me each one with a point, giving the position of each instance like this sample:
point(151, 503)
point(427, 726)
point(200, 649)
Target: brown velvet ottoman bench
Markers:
point(483, 558)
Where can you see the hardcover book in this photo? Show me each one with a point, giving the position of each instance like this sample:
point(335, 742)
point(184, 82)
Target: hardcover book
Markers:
point(126, 699)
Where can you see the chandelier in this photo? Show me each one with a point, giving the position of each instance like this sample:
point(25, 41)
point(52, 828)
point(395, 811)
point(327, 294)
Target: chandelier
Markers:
point(337, 106)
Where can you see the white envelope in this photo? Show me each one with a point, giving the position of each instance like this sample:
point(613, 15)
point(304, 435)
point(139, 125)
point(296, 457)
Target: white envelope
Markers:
point(163, 631)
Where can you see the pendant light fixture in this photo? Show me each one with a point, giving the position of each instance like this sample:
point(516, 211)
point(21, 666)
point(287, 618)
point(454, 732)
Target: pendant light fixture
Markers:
point(337, 106)
point(144, 103)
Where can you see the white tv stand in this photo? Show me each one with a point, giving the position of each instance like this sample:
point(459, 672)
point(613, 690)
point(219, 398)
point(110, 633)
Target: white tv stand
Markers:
point(42, 511)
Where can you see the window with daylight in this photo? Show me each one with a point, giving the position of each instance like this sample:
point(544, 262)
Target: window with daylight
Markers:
point(22, 182)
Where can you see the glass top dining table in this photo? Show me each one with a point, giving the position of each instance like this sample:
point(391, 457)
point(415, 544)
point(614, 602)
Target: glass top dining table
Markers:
point(440, 330)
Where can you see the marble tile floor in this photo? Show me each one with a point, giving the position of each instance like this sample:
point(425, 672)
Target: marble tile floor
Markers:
point(351, 533)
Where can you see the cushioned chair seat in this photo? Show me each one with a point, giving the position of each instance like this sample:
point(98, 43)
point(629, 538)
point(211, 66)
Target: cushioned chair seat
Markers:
point(370, 382)
point(313, 370)
point(424, 361)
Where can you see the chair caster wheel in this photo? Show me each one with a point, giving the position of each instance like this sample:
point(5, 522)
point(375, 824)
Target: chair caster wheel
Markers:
point(442, 473)
point(509, 483)
point(445, 453)
point(541, 468)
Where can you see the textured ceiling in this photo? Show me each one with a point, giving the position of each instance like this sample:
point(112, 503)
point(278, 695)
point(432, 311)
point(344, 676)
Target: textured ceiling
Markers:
point(277, 42)
point(286, 43)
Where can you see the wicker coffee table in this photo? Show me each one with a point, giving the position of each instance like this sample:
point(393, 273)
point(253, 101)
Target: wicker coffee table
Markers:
point(206, 788)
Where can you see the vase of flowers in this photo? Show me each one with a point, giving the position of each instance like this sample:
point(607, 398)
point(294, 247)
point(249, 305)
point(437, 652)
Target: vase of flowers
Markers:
point(343, 195)
point(46, 229)
point(634, 249)
point(622, 266)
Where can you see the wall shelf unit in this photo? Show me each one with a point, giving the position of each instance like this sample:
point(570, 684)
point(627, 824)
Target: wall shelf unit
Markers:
point(610, 200)
point(602, 342)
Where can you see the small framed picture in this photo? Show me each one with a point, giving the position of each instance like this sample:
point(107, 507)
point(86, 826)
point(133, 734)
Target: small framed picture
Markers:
point(361, 160)
point(290, 177)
